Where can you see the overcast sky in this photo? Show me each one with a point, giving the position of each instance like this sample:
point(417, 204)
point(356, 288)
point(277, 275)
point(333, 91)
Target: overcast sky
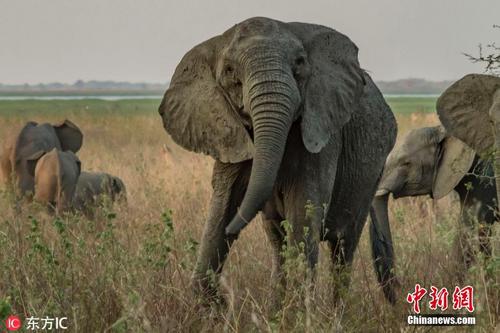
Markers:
point(143, 40)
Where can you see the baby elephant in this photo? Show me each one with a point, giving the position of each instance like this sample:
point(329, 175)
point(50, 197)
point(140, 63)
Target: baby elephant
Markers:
point(91, 189)
point(56, 175)
point(431, 162)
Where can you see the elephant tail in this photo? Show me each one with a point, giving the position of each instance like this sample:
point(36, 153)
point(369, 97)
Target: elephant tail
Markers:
point(383, 256)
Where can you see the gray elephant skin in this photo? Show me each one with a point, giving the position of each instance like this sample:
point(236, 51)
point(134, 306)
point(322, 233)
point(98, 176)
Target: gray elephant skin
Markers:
point(292, 121)
point(429, 161)
point(56, 175)
point(33, 138)
point(470, 110)
point(93, 186)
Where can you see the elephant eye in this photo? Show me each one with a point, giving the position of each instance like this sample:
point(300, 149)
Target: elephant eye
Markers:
point(300, 61)
point(229, 69)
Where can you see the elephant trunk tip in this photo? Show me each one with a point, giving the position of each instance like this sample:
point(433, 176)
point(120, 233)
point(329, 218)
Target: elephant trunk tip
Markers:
point(381, 192)
point(236, 225)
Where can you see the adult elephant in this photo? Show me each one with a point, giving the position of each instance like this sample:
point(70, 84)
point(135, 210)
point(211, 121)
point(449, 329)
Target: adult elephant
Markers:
point(33, 138)
point(431, 162)
point(292, 122)
point(470, 110)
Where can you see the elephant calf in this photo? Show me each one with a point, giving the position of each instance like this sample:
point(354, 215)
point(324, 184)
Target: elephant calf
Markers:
point(431, 162)
point(93, 186)
point(30, 140)
point(56, 175)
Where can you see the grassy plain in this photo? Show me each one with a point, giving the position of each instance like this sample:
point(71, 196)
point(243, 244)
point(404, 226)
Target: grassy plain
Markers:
point(129, 269)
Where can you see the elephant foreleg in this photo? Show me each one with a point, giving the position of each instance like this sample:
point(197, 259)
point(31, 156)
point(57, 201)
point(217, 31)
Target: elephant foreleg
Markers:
point(229, 182)
point(463, 241)
point(5, 170)
point(276, 235)
point(342, 248)
point(346, 217)
point(484, 239)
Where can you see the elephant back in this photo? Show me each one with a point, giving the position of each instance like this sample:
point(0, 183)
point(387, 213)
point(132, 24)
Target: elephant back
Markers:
point(33, 138)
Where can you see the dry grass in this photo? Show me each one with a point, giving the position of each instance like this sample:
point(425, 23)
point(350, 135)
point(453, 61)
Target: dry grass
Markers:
point(129, 270)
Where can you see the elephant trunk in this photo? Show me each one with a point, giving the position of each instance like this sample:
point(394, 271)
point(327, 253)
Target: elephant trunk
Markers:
point(496, 163)
point(494, 114)
point(382, 249)
point(273, 99)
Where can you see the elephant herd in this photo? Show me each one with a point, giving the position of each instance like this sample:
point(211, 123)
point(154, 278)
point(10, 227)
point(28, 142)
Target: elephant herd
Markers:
point(299, 132)
point(39, 162)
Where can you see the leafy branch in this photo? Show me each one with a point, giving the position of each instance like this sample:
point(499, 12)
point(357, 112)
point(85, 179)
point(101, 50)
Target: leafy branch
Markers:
point(489, 55)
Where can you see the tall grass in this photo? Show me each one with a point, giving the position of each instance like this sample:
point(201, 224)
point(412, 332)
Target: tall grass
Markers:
point(129, 269)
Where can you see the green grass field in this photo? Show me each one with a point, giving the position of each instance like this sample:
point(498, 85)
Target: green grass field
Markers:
point(91, 106)
point(96, 107)
point(412, 104)
point(129, 269)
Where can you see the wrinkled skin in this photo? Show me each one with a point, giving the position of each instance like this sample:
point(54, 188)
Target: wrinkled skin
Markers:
point(292, 121)
point(29, 140)
point(91, 188)
point(470, 110)
point(431, 162)
point(56, 175)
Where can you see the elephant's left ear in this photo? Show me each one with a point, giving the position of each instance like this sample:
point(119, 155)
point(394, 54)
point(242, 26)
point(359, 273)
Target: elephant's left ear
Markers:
point(454, 160)
point(465, 107)
point(334, 87)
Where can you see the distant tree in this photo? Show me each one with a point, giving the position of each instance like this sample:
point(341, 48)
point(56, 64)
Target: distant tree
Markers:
point(79, 84)
point(489, 56)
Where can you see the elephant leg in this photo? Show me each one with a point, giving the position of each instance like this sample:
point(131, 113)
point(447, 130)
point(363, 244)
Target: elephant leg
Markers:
point(304, 211)
point(350, 204)
point(342, 248)
point(463, 246)
point(484, 239)
point(276, 235)
point(229, 182)
point(5, 169)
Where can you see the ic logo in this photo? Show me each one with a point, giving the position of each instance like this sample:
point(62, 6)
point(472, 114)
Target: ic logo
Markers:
point(13, 323)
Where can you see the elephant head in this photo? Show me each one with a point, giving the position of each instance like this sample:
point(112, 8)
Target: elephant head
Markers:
point(235, 97)
point(470, 110)
point(32, 139)
point(94, 189)
point(119, 190)
point(428, 161)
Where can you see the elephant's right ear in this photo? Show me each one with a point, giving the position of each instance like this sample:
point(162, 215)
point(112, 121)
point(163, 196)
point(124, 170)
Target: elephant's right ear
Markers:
point(32, 160)
point(195, 112)
point(70, 136)
point(464, 110)
point(454, 160)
